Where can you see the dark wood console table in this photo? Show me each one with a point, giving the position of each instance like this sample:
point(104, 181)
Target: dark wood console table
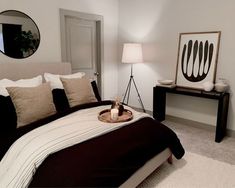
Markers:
point(159, 105)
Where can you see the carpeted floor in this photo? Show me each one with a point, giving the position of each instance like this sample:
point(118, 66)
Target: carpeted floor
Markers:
point(201, 141)
point(193, 171)
point(206, 163)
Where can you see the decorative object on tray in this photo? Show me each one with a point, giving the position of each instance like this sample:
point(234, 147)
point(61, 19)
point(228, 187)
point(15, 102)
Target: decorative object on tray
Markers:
point(166, 82)
point(197, 58)
point(105, 116)
point(221, 85)
point(114, 114)
point(118, 105)
point(117, 113)
point(208, 86)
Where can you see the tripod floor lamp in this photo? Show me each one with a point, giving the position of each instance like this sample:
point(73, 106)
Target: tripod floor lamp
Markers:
point(132, 53)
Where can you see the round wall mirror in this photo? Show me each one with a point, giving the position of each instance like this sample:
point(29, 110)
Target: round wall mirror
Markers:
point(19, 35)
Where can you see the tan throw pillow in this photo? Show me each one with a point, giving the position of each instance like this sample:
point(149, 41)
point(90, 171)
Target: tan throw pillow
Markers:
point(78, 91)
point(32, 103)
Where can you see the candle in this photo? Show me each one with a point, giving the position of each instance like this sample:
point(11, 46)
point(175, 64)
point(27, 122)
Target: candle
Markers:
point(114, 114)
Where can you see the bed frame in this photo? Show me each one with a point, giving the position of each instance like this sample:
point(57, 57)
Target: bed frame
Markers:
point(16, 71)
point(148, 168)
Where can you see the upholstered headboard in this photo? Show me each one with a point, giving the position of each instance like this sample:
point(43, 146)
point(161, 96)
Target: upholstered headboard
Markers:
point(16, 71)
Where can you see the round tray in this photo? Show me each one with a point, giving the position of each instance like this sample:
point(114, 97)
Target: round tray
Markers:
point(105, 116)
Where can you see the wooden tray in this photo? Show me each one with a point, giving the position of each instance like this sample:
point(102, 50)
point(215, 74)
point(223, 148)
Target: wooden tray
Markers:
point(105, 116)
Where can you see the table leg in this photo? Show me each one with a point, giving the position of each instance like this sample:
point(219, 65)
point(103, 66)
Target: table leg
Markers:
point(159, 103)
point(222, 114)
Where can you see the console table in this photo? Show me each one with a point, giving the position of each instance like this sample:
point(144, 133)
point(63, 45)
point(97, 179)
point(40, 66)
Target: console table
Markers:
point(159, 105)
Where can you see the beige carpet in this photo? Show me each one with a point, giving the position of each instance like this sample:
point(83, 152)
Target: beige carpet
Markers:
point(193, 171)
point(201, 141)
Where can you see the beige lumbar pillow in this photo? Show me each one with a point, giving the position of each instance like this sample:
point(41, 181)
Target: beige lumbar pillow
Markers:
point(32, 103)
point(78, 91)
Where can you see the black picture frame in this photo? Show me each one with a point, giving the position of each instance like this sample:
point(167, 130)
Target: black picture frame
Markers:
point(197, 58)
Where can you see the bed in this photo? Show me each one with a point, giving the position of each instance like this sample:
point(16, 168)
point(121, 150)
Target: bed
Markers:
point(112, 155)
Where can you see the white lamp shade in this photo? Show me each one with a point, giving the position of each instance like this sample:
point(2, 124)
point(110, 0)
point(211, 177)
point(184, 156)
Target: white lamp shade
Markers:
point(132, 53)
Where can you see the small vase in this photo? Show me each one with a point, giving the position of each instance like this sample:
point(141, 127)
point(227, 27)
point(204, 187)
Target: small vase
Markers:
point(116, 104)
point(208, 86)
point(121, 109)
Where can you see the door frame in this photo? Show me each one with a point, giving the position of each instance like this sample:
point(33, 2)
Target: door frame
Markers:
point(99, 39)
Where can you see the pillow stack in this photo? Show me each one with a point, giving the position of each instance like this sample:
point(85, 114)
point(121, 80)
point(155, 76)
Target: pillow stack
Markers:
point(32, 104)
point(54, 79)
point(28, 100)
point(62, 99)
point(7, 107)
point(32, 82)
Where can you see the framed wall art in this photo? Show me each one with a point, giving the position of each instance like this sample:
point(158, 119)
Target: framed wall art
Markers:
point(197, 58)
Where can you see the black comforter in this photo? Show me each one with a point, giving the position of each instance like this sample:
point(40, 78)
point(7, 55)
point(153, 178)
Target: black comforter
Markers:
point(104, 161)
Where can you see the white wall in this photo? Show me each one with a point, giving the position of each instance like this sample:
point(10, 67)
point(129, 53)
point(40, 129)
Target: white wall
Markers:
point(157, 24)
point(46, 16)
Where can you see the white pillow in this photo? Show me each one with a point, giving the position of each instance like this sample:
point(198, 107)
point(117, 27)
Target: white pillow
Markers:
point(55, 81)
point(32, 82)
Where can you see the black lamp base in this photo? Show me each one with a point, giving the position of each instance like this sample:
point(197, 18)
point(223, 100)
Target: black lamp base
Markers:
point(128, 89)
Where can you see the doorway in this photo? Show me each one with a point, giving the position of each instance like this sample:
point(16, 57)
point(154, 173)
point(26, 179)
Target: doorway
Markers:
point(82, 43)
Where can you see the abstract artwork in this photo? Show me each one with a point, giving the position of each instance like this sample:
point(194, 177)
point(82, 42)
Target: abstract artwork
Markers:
point(197, 58)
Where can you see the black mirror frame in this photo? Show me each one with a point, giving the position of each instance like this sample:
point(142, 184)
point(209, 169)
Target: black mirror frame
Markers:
point(33, 22)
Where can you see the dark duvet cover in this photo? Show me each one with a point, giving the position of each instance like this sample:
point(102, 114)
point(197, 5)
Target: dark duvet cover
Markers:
point(105, 161)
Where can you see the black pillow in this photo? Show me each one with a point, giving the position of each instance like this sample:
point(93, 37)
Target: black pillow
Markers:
point(61, 101)
point(8, 119)
point(95, 90)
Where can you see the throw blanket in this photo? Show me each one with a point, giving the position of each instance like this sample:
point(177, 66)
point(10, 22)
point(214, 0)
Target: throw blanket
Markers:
point(28, 152)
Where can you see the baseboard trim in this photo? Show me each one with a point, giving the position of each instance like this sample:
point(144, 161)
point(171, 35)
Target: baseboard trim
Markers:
point(230, 133)
point(141, 110)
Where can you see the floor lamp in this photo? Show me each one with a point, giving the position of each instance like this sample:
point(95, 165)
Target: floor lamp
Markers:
point(132, 53)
